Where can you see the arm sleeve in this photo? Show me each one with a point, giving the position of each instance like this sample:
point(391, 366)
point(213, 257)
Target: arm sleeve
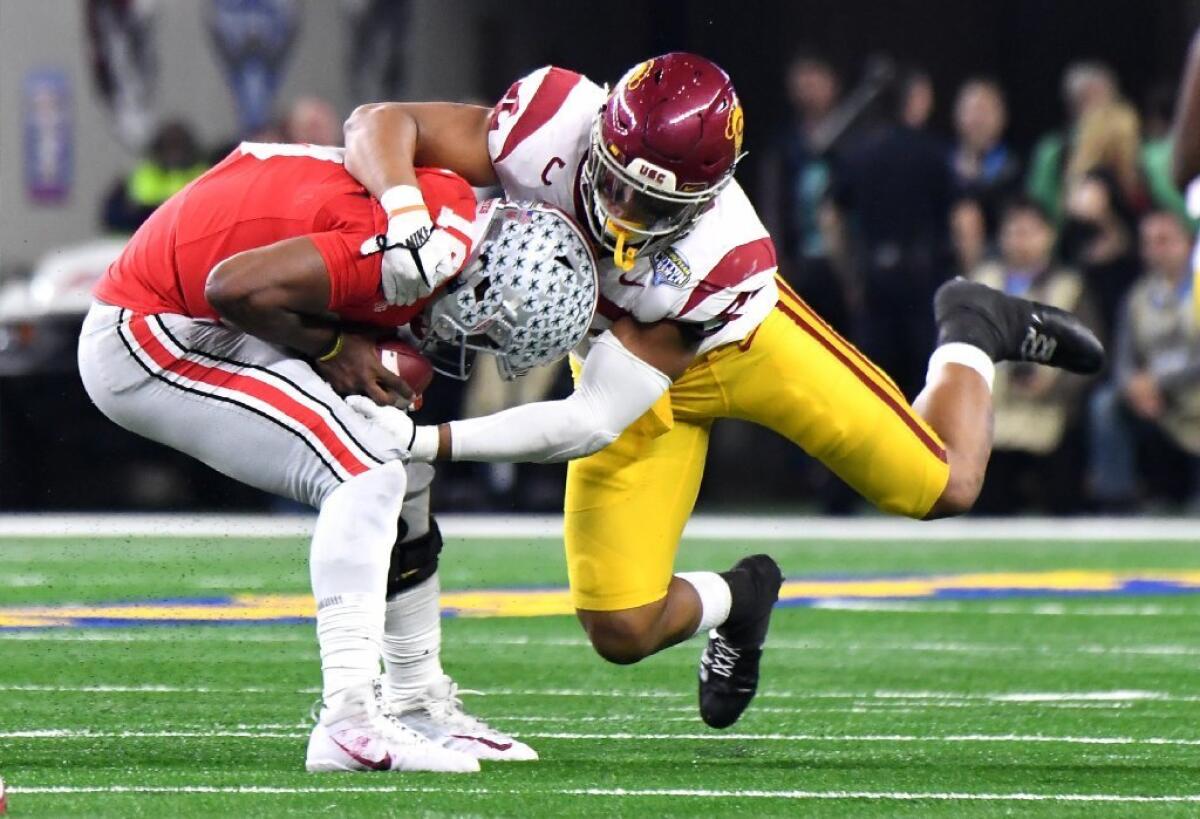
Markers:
point(614, 390)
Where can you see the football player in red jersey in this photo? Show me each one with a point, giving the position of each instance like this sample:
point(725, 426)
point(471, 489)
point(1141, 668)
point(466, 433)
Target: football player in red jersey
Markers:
point(692, 325)
point(233, 327)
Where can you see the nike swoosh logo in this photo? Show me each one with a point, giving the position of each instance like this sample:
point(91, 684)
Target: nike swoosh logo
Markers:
point(628, 283)
point(499, 746)
point(384, 764)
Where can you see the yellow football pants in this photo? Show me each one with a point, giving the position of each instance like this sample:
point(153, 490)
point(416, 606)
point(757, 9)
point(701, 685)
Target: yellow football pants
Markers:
point(627, 504)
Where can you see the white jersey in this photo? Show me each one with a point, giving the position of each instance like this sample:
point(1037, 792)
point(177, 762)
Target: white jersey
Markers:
point(719, 276)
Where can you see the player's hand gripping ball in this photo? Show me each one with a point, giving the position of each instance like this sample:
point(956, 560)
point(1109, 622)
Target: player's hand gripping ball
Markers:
point(403, 360)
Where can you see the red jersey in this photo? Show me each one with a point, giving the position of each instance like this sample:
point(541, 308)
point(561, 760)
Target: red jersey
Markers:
point(258, 195)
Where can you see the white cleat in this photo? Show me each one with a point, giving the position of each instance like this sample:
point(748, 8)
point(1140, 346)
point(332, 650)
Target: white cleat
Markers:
point(438, 714)
point(352, 735)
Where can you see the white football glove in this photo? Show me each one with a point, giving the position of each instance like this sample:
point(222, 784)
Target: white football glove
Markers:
point(420, 442)
point(417, 256)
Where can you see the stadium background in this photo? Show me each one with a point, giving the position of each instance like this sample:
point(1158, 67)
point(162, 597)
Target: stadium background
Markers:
point(54, 447)
point(164, 664)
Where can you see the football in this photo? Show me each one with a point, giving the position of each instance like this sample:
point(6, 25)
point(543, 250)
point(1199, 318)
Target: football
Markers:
point(404, 360)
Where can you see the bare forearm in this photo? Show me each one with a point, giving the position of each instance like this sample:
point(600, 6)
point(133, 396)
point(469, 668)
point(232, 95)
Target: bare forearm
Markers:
point(310, 336)
point(381, 142)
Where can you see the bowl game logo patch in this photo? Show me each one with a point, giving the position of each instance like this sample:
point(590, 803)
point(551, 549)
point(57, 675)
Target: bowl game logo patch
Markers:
point(670, 268)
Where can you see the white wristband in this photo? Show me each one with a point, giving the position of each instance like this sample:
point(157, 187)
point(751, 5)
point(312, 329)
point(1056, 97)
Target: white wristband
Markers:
point(425, 443)
point(399, 199)
point(966, 355)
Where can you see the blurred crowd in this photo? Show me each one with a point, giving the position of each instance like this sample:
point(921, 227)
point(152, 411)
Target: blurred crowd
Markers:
point(872, 208)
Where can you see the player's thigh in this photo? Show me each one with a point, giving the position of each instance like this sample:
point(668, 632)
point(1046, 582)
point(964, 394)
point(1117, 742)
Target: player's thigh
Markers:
point(799, 378)
point(625, 510)
point(241, 406)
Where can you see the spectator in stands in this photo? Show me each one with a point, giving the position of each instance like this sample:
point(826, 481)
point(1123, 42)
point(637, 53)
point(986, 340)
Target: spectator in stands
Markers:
point(984, 167)
point(314, 121)
point(1108, 139)
point(174, 159)
point(795, 185)
point(1098, 238)
point(1147, 421)
point(917, 99)
point(968, 235)
point(1084, 85)
point(893, 195)
point(1034, 460)
point(1156, 153)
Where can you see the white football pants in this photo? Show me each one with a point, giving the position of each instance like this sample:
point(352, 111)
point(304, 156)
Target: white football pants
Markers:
point(263, 417)
point(246, 408)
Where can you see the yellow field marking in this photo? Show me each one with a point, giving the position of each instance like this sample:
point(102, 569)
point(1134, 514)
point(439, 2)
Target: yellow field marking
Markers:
point(541, 602)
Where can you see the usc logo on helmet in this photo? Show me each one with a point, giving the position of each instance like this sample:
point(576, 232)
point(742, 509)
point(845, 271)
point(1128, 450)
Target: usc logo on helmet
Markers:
point(638, 75)
point(735, 126)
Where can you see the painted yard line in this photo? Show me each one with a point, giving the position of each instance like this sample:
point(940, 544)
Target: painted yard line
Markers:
point(956, 607)
point(221, 634)
point(919, 647)
point(702, 526)
point(860, 697)
point(150, 689)
point(269, 636)
point(881, 796)
point(69, 733)
point(876, 796)
point(902, 738)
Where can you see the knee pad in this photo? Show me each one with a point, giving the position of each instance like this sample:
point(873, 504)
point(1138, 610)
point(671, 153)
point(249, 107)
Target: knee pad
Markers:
point(414, 561)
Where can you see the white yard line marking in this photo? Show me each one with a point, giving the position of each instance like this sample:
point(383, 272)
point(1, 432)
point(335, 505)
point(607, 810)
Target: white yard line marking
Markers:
point(270, 635)
point(1024, 610)
point(882, 647)
point(882, 796)
point(71, 733)
point(756, 527)
point(901, 738)
point(859, 697)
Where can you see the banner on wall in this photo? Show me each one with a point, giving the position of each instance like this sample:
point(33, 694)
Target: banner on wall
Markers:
point(49, 137)
point(253, 39)
point(124, 65)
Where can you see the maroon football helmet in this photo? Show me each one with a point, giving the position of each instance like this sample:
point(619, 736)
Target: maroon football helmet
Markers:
point(663, 146)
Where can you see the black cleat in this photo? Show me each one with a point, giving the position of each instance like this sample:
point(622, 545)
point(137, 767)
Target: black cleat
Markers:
point(729, 664)
point(1013, 329)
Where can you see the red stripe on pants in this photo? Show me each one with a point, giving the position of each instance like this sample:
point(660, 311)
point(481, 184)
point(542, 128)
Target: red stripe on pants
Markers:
point(901, 410)
point(274, 397)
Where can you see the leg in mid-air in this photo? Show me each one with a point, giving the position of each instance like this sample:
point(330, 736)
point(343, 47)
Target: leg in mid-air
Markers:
point(415, 690)
point(977, 328)
point(626, 505)
point(252, 412)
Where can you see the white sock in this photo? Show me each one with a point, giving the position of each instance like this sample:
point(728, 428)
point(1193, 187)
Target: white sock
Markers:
point(966, 355)
point(412, 639)
point(715, 598)
point(349, 630)
point(348, 565)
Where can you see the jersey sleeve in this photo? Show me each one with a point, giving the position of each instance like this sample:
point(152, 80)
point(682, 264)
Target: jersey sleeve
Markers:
point(526, 108)
point(344, 223)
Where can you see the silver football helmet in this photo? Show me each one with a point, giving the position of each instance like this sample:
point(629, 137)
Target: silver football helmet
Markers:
point(525, 296)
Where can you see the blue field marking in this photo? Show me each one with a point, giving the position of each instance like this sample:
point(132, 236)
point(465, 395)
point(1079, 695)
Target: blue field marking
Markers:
point(266, 609)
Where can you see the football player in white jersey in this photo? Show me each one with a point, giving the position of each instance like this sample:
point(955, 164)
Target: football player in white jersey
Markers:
point(693, 325)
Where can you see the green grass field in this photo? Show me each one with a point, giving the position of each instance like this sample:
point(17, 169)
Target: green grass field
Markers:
point(1028, 706)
